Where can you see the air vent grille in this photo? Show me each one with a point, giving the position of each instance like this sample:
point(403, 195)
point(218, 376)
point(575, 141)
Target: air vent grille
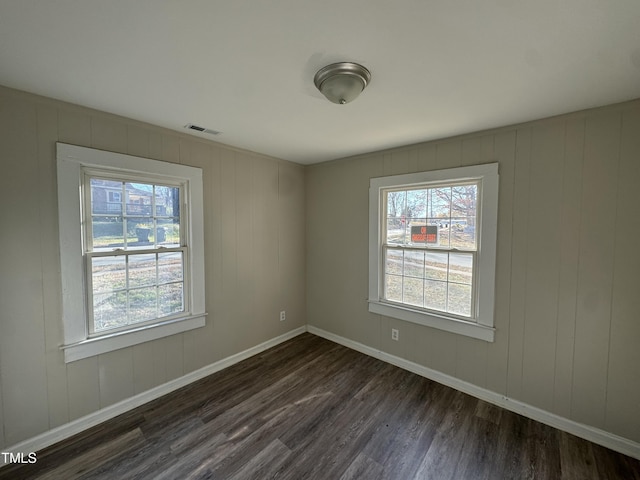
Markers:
point(197, 128)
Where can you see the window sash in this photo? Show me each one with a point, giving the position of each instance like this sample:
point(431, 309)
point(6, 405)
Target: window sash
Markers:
point(384, 215)
point(404, 248)
point(91, 292)
point(87, 210)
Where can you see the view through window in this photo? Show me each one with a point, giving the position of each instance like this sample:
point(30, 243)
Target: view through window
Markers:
point(134, 251)
point(430, 247)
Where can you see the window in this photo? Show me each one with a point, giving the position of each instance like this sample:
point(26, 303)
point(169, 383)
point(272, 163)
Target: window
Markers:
point(135, 258)
point(115, 197)
point(432, 248)
point(132, 250)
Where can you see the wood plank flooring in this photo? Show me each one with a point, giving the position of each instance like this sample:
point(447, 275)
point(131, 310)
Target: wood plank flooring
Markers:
point(310, 409)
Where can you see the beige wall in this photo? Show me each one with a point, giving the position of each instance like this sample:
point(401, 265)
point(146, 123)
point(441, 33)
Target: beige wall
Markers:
point(568, 266)
point(254, 241)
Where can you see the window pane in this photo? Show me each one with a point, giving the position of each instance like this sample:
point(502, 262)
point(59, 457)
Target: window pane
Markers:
point(142, 304)
point(139, 232)
point(167, 201)
point(393, 262)
point(416, 203)
point(171, 299)
point(107, 233)
point(439, 214)
point(437, 265)
point(396, 217)
point(138, 199)
point(106, 197)
point(395, 203)
point(412, 291)
point(459, 301)
point(463, 234)
point(435, 295)
point(109, 310)
point(460, 268)
point(464, 213)
point(168, 232)
point(440, 202)
point(393, 288)
point(169, 267)
point(463, 200)
point(108, 273)
point(142, 270)
point(414, 264)
point(395, 230)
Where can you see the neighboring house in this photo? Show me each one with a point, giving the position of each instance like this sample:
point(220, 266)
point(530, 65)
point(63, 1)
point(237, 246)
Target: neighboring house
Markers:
point(107, 199)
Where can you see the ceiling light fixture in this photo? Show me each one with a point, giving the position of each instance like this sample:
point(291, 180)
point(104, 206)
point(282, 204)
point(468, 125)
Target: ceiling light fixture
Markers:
point(342, 82)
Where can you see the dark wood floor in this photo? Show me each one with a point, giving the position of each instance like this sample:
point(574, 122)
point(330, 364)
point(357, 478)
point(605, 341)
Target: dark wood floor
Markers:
point(311, 409)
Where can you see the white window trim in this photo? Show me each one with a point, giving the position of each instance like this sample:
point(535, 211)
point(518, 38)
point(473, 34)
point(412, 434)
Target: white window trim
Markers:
point(488, 217)
point(71, 160)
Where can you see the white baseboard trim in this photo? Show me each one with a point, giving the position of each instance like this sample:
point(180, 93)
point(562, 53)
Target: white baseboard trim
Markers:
point(595, 435)
point(67, 430)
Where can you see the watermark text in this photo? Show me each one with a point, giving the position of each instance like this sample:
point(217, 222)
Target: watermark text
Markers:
point(10, 457)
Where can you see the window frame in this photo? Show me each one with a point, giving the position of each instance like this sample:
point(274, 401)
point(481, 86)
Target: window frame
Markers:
point(73, 164)
point(482, 325)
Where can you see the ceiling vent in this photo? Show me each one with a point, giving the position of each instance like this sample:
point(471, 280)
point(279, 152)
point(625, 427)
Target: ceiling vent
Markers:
point(191, 126)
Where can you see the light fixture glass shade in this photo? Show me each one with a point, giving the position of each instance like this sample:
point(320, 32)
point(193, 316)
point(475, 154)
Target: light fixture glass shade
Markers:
point(342, 82)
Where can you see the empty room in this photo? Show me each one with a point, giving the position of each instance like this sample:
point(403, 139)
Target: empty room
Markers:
point(320, 240)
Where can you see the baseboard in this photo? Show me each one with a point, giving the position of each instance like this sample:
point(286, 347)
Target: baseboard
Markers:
point(67, 430)
point(595, 435)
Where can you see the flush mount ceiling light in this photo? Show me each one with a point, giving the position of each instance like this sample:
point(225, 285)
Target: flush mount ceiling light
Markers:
point(342, 82)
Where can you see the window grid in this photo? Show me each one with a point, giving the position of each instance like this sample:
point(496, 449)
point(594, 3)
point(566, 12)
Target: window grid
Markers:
point(126, 321)
point(129, 250)
point(426, 302)
point(454, 296)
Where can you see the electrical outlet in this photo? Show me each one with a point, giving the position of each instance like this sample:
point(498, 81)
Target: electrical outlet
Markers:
point(395, 334)
point(283, 316)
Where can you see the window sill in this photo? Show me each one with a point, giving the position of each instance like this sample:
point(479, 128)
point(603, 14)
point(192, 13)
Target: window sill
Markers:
point(107, 343)
point(448, 324)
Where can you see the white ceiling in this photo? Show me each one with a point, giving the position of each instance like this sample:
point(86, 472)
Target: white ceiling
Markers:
point(439, 67)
